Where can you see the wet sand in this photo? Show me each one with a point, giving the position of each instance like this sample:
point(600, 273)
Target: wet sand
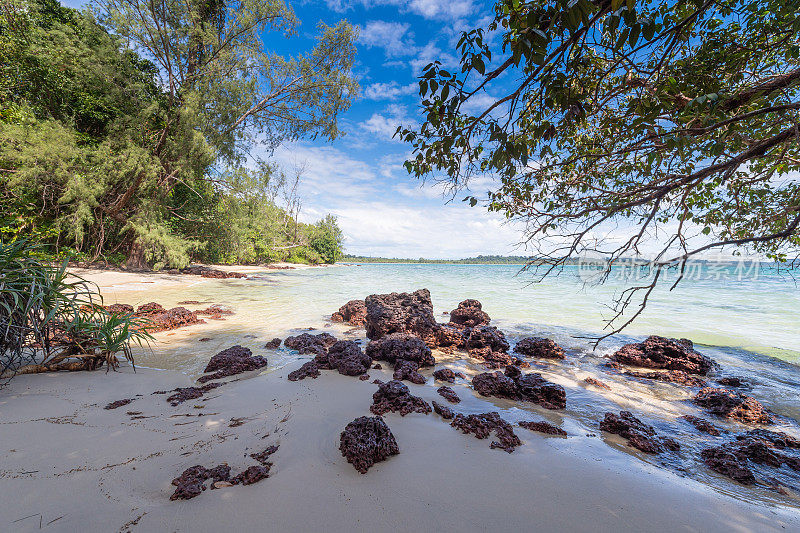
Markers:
point(73, 465)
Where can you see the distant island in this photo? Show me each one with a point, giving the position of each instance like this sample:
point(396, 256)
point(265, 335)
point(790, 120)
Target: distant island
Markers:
point(479, 260)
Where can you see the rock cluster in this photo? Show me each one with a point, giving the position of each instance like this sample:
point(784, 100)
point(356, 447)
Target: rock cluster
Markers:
point(353, 312)
point(482, 425)
point(758, 446)
point(119, 403)
point(448, 394)
point(232, 361)
point(274, 343)
point(345, 357)
point(395, 396)
point(192, 481)
point(208, 272)
point(514, 385)
point(183, 394)
point(469, 313)
point(734, 405)
point(307, 343)
point(442, 410)
point(678, 377)
point(637, 433)
point(408, 370)
point(596, 383)
point(703, 425)
point(401, 313)
point(543, 427)
point(400, 346)
point(663, 353)
point(539, 348)
point(445, 374)
point(366, 441)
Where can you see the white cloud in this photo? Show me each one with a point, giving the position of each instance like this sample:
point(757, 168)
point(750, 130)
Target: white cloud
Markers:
point(393, 37)
point(389, 91)
point(429, 9)
point(386, 125)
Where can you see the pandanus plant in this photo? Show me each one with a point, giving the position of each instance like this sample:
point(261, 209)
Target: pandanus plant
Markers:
point(53, 320)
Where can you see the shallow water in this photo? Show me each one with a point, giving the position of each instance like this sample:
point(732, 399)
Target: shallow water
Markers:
point(751, 327)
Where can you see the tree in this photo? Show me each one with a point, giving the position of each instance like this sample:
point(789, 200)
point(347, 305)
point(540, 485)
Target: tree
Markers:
point(674, 123)
point(327, 239)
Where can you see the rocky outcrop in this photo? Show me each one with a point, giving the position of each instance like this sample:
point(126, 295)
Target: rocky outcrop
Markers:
point(232, 361)
point(192, 481)
point(253, 474)
point(273, 344)
point(401, 346)
point(637, 433)
point(442, 410)
point(183, 394)
point(408, 370)
point(394, 396)
point(514, 385)
point(307, 343)
point(449, 336)
point(490, 337)
point(539, 348)
point(445, 374)
point(347, 358)
point(703, 425)
point(762, 447)
point(174, 318)
point(353, 312)
point(734, 405)
point(448, 394)
point(120, 309)
point(310, 369)
point(543, 427)
point(662, 353)
point(678, 377)
point(366, 441)
point(482, 425)
point(469, 314)
point(402, 313)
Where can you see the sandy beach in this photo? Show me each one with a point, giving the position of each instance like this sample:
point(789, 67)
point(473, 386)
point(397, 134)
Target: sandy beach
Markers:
point(71, 465)
point(68, 464)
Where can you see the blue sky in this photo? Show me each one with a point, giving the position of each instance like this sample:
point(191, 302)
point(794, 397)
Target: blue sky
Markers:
point(359, 178)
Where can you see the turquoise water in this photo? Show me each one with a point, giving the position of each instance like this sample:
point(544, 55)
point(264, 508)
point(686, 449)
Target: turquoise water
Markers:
point(749, 326)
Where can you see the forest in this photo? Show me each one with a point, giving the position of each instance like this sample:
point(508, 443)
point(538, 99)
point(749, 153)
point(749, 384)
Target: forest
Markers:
point(114, 149)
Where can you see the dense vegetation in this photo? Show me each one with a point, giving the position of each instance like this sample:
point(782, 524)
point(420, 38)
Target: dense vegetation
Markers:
point(50, 320)
point(145, 154)
point(619, 128)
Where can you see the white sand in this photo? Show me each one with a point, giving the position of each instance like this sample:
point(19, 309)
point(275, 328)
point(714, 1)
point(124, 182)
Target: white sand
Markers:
point(69, 465)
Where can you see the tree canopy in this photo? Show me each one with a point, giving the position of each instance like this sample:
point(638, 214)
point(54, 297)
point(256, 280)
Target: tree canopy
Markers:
point(616, 127)
point(129, 129)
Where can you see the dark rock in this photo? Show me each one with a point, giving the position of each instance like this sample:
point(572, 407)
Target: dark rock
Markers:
point(596, 383)
point(702, 424)
point(448, 394)
point(306, 343)
point(490, 358)
point(662, 353)
point(377, 366)
point(514, 385)
point(353, 312)
point(395, 396)
point(734, 405)
point(442, 410)
point(205, 339)
point(396, 346)
point(348, 359)
point(408, 370)
point(119, 403)
point(482, 425)
point(307, 370)
point(402, 313)
point(192, 481)
point(120, 309)
point(363, 377)
point(183, 394)
point(728, 464)
point(253, 474)
point(483, 337)
point(777, 439)
point(469, 314)
point(232, 361)
point(263, 456)
point(216, 311)
point(274, 343)
point(451, 336)
point(445, 374)
point(638, 434)
point(540, 348)
point(177, 317)
point(208, 272)
point(544, 427)
point(366, 441)
point(732, 382)
point(669, 376)
point(150, 309)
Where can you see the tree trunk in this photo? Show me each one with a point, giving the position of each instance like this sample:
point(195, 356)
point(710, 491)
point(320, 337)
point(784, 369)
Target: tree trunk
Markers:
point(136, 259)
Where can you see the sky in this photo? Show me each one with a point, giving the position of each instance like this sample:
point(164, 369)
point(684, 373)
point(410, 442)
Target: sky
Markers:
point(359, 178)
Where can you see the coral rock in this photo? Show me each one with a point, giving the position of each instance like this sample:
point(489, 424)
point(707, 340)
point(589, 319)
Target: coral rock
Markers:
point(353, 312)
point(539, 348)
point(445, 374)
point(514, 385)
point(669, 376)
point(307, 343)
point(232, 361)
point(274, 343)
point(366, 441)
point(544, 427)
point(404, 346)
point(734, 405)
point(348, 359)
point(662, 353)
point(448, 394)
point(702, 424)
point(401, 313)
point(482, 425)
point(408, 370)
point(442, 410)
point(638, 434)
point(395, 396)
point(469, 314)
